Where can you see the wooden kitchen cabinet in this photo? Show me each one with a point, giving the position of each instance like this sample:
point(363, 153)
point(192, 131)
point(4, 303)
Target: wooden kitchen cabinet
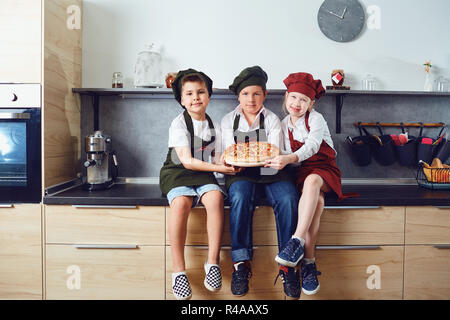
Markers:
point(20, 41)
point(96, 273)
point(427, 225)
point(116, 253)
point(355, 273)
point(427, 273)
point(72, 225)
point(264, 271)
point(362, 226)
point(20, 252)
point(427, 253)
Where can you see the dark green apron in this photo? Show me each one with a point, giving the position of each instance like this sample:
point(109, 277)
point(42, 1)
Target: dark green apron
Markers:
point(173, 174)
point(255, 174)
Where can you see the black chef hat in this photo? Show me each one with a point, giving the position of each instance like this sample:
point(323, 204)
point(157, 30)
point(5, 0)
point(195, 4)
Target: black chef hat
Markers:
point(177, 83)
point(249, 77)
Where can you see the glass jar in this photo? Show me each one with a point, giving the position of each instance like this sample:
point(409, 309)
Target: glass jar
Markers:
point(147, 71)
point(117, 80)
point(441, 84)
point(368, 83)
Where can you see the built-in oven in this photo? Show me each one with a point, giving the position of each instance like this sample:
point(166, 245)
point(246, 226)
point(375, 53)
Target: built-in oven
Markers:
point(20, 143)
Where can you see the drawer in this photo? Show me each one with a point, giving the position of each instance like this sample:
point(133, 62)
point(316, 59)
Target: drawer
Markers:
point(362, 226)
point(20, 252)
point(70, 225)
point(427, 275)
point(73, 273)
point(427, 225)
point(264, 271)
point(346, 273)
point(264, 229)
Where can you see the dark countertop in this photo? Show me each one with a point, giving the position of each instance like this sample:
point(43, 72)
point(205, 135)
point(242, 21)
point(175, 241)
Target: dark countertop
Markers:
point(150, 195)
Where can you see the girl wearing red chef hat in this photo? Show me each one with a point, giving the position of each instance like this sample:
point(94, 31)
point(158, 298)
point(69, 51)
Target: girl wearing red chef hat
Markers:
point(308, 142)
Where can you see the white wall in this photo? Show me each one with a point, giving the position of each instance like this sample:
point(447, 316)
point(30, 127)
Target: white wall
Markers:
point(221, 37)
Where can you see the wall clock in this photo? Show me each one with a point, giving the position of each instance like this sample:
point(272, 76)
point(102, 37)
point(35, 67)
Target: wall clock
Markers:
point(341, 20)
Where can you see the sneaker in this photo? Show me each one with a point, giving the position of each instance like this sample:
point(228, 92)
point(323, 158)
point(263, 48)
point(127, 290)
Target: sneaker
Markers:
point(181, 288)
point(239, 280)
point(213, 278)
point(310, 283)
point(291, 281)
point(291, 254)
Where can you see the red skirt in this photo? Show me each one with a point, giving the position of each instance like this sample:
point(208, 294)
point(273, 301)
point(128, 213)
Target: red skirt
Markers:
point(327, 170)
point(323, 163)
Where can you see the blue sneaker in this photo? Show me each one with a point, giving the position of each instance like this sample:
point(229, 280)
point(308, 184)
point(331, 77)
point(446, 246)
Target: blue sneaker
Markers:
point(310, 283)
point(291, 254)
point(291, 282)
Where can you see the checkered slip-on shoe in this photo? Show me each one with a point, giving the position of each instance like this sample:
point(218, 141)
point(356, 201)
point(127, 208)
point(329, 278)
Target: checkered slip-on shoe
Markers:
point(213, 277)
point(181, 287)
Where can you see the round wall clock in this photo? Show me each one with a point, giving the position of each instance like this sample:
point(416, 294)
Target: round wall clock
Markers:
point(341, 20)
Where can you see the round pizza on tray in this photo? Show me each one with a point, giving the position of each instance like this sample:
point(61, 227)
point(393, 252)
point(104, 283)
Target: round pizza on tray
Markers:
point(250, 154)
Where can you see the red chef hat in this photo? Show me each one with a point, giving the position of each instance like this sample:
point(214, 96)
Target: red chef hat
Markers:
point(304, 83)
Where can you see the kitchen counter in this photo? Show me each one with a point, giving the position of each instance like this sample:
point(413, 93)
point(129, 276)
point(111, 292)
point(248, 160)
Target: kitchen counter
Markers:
point(124, 194)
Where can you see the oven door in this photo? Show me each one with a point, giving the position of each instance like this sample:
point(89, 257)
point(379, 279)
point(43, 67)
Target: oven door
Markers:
point(20, 155)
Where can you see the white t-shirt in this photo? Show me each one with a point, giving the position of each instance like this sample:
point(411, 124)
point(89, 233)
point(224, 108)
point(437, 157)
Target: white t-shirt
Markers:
point(312, 140)
point(272, 126)
point(179, 135)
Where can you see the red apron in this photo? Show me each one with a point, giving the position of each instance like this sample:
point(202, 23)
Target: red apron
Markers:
point(322, 163)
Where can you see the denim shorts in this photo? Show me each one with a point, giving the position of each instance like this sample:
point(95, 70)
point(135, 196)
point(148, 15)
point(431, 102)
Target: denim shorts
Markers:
point(195, 192)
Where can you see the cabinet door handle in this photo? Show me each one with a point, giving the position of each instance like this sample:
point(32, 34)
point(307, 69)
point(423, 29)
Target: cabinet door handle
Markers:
point(79, 206)
point(106, 246)
point(347, 247)
point(442, 207)
point(6, 206)
point(351, 207)
point(8, 115)
point(442, 246)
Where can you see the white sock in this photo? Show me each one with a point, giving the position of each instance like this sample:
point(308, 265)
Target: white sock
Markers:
point(309, 260)
point(302, 241)
point(176, 274)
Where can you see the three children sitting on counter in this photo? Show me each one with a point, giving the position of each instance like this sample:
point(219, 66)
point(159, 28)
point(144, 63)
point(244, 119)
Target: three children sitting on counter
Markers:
point(305, 166)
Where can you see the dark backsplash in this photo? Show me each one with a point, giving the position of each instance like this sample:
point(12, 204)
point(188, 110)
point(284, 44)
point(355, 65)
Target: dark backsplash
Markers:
point(139, 127)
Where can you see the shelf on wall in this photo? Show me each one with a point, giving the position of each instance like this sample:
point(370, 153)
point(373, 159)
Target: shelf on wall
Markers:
point(165, 93)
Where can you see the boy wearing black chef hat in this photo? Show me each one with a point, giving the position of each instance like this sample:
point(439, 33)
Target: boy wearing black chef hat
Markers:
point(251, 121)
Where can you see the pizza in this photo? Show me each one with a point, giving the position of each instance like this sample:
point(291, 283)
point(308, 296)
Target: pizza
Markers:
point(249, 154)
